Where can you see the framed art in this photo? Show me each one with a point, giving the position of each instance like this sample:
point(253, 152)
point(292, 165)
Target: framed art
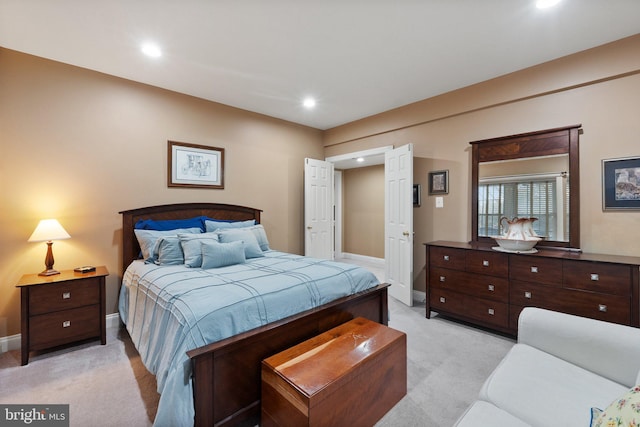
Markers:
point(439, 182)
point(196, 166)
point(621, 183)
point(417, 197)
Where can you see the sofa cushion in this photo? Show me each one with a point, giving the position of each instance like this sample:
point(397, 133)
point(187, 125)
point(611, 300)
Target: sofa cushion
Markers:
point(624, 411)
point(485, 414)
point(541, 389)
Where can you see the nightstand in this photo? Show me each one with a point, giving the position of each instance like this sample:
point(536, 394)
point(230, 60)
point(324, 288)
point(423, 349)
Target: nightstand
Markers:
point(62, 309)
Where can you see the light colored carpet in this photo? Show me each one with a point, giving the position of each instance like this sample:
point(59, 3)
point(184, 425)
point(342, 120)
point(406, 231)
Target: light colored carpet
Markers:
point(108, 385)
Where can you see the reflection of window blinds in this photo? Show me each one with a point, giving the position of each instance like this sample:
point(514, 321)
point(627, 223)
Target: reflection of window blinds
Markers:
point(523, 196)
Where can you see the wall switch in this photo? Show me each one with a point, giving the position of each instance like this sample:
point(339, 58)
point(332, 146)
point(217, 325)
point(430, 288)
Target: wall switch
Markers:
point(439, 202)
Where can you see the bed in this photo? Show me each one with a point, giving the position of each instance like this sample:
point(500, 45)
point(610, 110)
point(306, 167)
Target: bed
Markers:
point(225, 373)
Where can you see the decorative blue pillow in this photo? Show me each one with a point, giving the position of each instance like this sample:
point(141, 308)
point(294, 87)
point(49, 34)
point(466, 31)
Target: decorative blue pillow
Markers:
point(191, 247)
point(170, 224)
point(216, 255)
point(213, 225)
point(148, 239)
point(261, 236)
point(251, 246)
point(170, 251)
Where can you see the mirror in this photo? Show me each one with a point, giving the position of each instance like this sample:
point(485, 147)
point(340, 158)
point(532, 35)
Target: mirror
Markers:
point(528, 175)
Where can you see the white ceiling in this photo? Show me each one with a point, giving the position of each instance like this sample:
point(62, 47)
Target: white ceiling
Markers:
point(357, 57)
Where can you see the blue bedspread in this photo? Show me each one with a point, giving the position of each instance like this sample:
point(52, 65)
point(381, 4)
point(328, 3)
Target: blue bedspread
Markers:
point(172, 309)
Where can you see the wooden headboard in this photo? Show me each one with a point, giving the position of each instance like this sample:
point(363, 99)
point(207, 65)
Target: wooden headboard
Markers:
point(130, 246)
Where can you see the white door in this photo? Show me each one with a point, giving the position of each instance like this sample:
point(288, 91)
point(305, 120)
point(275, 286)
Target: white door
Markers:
point(318, 208)
point(398, 230)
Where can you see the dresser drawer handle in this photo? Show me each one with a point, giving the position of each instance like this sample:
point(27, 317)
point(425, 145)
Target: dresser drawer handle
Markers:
point(595, 277)
point(443, 300)
point(66, 323)
point(491, 288)
point(527, 295)
point(491, 312)
point(442, 278)
point(485, 263)
point(602, 308)
point(534, 269)
point(66, 295)
point(446, 257)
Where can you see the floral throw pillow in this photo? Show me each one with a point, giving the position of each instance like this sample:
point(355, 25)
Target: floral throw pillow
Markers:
point(623, 412)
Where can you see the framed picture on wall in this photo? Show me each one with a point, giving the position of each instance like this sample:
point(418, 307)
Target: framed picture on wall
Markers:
point(439, 182)
point(417, 197)
point(621, 183)
point(196, 166)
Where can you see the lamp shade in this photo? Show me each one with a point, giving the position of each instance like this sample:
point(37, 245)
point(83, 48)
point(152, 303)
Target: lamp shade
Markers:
point(48, 230)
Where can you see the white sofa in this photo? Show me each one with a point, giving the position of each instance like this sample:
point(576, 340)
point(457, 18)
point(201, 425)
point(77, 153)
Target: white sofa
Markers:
point(561, 367)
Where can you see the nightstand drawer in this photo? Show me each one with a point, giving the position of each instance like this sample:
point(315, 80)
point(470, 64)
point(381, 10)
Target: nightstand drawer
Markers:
point(62, 296)
point(61, 327)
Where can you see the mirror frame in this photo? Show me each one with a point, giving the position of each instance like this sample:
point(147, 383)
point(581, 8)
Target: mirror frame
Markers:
point(555, 141)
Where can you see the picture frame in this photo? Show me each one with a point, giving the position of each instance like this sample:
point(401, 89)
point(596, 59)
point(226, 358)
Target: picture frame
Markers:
point(439, 182)
point(621, 184)
point(417, 195)
point(194, 166)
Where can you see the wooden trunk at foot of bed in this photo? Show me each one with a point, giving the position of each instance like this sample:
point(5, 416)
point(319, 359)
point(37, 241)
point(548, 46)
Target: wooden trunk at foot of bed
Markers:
point(227, 373)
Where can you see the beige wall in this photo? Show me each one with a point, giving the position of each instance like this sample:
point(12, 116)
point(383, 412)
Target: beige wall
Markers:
point(363, 211)
point(598, 88)
point(81, 146)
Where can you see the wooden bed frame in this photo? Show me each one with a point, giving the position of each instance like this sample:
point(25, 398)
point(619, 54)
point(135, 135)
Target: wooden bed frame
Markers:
point(226, 374)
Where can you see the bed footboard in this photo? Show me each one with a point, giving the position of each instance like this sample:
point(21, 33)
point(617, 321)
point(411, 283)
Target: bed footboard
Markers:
point(227, 373)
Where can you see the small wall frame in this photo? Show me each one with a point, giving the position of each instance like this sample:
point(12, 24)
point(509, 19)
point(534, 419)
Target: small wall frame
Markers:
point(621, 184)
point(439, 182)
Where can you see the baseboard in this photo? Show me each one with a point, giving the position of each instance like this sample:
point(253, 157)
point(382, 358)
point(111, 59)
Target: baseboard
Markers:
point(13, 342)
point(363, 258)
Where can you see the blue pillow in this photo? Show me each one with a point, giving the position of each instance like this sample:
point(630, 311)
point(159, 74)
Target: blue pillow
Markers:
point(261, 236)
point(170, 224)
point(213, 225)
point(216, 255)
point(191, 247)
point(251, 246)
point(170, 251)
point(148, 239)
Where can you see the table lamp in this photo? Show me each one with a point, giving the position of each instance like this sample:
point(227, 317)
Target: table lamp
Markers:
point(48, 230)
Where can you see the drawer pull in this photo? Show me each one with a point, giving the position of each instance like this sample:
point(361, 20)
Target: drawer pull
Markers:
point(491, 288)
point(527, 295)
point(485, 263)
point(66, 323)
point(443, 300)
point(446, 257)
point(595, 277)
point(442, 278)
point(491, 312)
point(602, 308)
point(66, 295)
point(534, 269)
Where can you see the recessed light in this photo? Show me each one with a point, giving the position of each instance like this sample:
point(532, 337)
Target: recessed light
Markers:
point(152, 50)
point(309, 102)
point(544, 4)
point(360, 159)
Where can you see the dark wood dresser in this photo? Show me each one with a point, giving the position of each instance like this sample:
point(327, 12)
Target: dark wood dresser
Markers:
point(474, 283)
point(61, 309)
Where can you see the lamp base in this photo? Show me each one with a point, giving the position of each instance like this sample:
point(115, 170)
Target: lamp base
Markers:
point(49, 272)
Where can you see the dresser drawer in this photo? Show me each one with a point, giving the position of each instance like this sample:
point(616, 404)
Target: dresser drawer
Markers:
point(61, 327)
point(610, 308)
point(495, 288)
point(612, 279)
point(447, 257)
point(534, 269)
point(490, 263)
point(465, 306)
point(65, 295)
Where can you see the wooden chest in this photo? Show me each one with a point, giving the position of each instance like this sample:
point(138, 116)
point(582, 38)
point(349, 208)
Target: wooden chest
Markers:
point(350, 375)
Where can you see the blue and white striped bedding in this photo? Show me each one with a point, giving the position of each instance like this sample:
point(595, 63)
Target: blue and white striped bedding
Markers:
point(169, 310)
